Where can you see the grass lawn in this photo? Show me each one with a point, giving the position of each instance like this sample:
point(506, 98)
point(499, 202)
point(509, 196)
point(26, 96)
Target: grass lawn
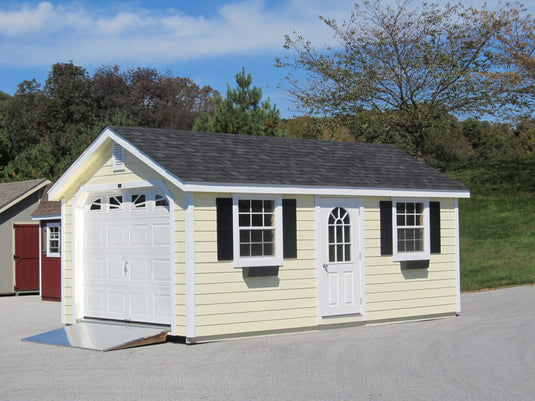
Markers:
point(497, 223)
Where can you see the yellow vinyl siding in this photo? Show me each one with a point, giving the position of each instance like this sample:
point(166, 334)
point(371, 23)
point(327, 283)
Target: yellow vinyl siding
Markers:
point(227, 303)
point(392, 292)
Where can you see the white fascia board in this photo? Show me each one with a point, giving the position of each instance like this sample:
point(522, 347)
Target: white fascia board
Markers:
point(86, 154)
point(47, 217)
point(322, 191)
point(106, 134)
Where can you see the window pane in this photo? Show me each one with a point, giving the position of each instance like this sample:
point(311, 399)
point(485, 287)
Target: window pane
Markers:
point(410, 207)
point(245, 220)
point(161, 201)
point(410, 220)
point(331, 219)
point(115, 202)
point(332, 253)
point(347, 236)
point(419, 220)
point(268, 249)
point(347, 255)
point(257, 206)
point(138, 201)
point(400, 208)
point(245, 236)
point(256, 236)
point(331, 234)
point(269, 206)
point(339, 253)
point(419, 208)
point(339, 234)
point(245, 250)
point(244, 205)
point(268, 220)
point(257, 220)
point(256, 249)
point(401, 219)
point(96, 205)
point(269, 235)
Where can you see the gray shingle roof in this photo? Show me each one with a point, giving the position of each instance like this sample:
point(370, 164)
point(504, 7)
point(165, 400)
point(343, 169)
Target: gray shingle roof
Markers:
point(196, 157)
point(11, 191)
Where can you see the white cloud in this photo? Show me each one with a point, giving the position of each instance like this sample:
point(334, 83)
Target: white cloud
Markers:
point(44, 33)
point(38, 35)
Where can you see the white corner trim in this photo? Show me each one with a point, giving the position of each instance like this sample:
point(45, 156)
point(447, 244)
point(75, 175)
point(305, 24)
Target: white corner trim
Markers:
point(62, 263)
point(319, 237)
point(190, 265)
point(362, 260)
point(458, 255)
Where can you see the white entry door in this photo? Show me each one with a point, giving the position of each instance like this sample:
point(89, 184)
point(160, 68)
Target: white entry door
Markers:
point(339, 270)
point(127, 262)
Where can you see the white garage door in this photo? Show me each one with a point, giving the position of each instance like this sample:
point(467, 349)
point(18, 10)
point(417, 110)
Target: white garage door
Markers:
point(127, 267)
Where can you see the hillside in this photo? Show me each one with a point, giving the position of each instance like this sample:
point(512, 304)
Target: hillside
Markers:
point(497, 223)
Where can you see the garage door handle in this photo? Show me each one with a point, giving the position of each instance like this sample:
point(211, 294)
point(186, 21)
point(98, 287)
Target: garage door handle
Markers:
point(125, 268)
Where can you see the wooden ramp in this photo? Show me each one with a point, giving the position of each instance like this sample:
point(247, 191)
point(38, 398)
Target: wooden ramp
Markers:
point(103, 335)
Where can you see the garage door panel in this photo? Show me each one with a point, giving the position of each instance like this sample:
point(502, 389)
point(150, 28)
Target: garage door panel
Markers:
point(117, 302)
point(116, 269)
point(139, 305)
point(139, 235)
point(116, 235)
point(161, 270)
point(95, 236)
point(139, 270)
point(160, 235)
point(162, 305)
point(95, 269)
point(96, 301)
point(127, 262)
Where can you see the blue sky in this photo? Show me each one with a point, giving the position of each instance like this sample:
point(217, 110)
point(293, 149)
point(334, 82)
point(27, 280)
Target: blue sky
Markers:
point(208, 41)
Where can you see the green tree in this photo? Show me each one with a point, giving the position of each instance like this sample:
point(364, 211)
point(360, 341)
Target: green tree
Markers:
point(408, 61)
point(242, 112)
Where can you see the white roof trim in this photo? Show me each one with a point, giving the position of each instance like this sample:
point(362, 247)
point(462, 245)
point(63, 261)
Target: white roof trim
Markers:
point(323, 191)
point(47, 217)
point(108, 133)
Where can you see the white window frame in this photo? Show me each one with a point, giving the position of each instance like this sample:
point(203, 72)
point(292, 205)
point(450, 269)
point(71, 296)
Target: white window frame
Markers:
point(49, 253)
point(405, 256)
point(253, 261)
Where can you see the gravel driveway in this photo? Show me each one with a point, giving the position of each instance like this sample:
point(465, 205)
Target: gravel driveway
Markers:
point(488, 353)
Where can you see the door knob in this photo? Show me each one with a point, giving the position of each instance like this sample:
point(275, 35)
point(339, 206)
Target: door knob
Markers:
point(125, 268)
point(325, 266)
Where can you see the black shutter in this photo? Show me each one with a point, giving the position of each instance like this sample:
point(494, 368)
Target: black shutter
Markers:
point(289, 227)
point(434, 222)
point(224, 229)
point(385, 208)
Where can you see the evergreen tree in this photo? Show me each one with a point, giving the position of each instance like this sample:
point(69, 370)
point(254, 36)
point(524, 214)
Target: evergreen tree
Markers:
point(242, 112)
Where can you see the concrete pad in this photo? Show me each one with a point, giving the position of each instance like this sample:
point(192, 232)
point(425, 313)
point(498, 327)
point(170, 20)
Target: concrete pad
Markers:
point(487, 353)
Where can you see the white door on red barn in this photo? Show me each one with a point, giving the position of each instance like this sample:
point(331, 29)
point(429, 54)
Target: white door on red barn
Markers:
point(339, 256)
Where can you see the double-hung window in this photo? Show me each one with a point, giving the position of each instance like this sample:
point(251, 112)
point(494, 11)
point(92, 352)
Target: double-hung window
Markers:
point(410, 229)
point(53, 236)
point(257, 231)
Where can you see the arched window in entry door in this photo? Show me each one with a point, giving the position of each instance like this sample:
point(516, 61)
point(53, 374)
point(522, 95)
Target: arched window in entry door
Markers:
point(339, 235)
